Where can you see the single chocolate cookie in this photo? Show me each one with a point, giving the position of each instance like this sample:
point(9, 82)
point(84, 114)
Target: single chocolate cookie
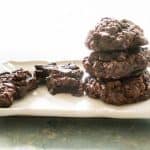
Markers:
point(112, 35)
point(120, 92)
point(65, 79)
point(116, 65)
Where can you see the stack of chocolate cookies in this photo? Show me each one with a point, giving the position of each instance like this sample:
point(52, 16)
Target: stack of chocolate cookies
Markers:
point(117, 64)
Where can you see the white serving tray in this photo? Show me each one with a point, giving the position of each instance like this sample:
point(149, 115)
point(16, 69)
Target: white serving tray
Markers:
point(41, 103)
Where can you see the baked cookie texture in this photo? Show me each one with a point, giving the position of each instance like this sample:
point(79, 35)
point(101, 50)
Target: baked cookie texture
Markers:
point(112, 34)
point(15, 85)
point(65, 78)
point(120, 92)
point(116, 65)
point(7, 93)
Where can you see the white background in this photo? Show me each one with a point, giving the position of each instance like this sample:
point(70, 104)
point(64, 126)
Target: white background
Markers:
point(46, 29)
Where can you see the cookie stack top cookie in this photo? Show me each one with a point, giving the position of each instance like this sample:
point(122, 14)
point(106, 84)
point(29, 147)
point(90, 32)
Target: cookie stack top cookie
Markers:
point(112, 35)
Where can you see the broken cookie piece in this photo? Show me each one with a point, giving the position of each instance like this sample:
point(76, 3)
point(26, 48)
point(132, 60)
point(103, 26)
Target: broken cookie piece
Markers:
point(70, 69)
point(64, 84)
point(22, 80)
point(65, 79)
point(43, 71)
point(15, 85)
point(7, 92)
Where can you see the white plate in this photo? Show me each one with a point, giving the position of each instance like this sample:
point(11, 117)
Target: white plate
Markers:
point(41, 103)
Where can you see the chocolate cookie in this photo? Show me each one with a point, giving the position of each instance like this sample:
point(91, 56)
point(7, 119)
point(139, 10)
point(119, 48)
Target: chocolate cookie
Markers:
point(21, 79)
point(24, 81)
point(112, 34)
point(116, 65)
point(7, 93)
point(65, 79)
point(70, 69)
point(120, 92)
